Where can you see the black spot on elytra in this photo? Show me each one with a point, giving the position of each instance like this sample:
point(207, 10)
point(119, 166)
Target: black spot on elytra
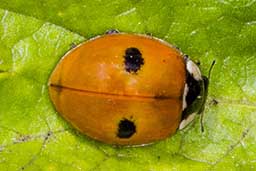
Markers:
point(133, 60)
point(126, 128)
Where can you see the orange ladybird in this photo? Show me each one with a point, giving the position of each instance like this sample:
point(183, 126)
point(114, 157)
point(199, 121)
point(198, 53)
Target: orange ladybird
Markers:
point(127, 89)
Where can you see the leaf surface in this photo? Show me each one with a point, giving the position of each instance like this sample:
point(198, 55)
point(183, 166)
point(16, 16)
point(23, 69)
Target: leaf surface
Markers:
point(34, 137)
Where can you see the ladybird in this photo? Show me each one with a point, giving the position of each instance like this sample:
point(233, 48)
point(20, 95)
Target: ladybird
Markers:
point(127, 89)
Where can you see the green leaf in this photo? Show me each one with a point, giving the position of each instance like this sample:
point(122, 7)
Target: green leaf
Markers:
point(34, 137)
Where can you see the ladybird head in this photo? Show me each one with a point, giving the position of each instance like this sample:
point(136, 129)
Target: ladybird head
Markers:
point(195, 92)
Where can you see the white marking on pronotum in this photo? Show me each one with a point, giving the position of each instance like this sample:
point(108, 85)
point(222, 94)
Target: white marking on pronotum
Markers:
point(187, 120)
point(184, 102)
point(127, 12)
point(194, 70)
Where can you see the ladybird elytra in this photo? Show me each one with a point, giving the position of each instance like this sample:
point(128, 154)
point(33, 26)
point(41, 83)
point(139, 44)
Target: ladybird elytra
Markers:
point(123, 89)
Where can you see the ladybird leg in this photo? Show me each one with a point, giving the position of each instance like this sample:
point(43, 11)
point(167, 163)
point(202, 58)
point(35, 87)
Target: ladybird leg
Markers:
point(206, 81)
point(73, 45)
point(177, 48)
point(149, 34)
point(186, 58)
point(112, 31)
point(201, 122)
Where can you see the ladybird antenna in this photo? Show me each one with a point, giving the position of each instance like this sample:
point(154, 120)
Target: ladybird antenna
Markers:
point(201, 122)
point(210, 70)
point(206, 82)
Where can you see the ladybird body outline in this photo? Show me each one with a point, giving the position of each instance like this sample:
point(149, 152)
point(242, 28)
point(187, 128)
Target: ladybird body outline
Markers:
point(159, 98)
